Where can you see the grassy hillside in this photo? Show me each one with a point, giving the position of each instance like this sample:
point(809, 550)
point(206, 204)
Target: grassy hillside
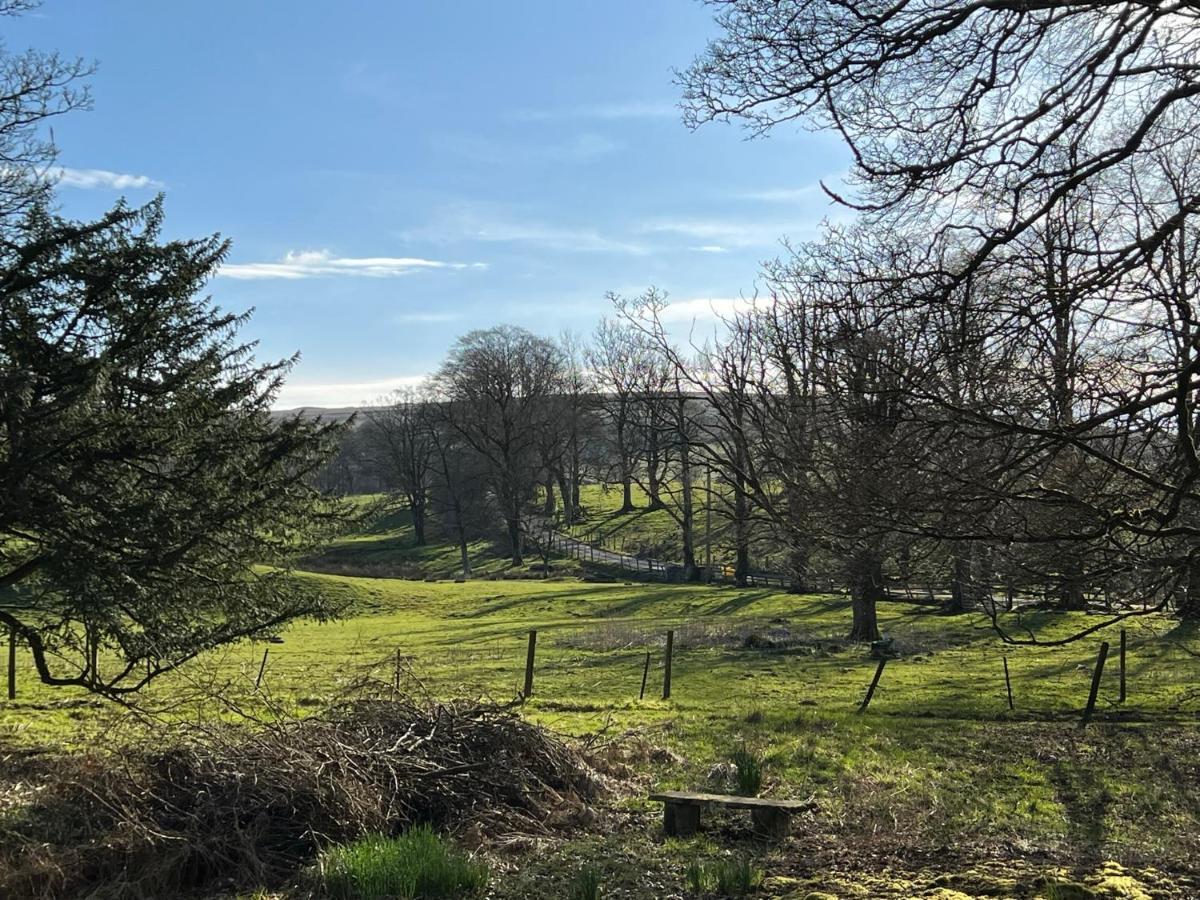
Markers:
point(938, 760)
point(381, 543)
point(655, 532)
point(937, 787)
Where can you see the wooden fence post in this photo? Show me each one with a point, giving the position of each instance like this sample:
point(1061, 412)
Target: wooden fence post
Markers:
point(645, 675)
point(874, 682)
point(1096, 673)
point(528, 692)
point(12, 664)
point(1007, 682)
point(397, 677)
point(1121, 699)
point(667, 665)
point(261, 669)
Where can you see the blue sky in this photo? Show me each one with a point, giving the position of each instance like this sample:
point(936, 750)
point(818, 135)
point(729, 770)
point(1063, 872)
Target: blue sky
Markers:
point(393, 174)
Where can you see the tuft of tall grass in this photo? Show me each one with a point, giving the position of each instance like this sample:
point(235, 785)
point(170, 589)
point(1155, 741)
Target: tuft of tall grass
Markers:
point(749, 772)
point(588, 885)
point(733, 876)
point(416, 864)
point(697, 877)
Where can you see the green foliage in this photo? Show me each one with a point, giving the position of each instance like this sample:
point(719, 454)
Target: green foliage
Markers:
point(748, 772)
point(728, 876)
point(697, 876)
point(588, 884)
point(145, 477)
point(735, 876)
point(416, 864)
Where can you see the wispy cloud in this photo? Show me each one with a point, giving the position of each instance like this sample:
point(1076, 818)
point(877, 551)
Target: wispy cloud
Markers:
point(580, 148)
point(426, 318)
point(321, 263)
point(784, 195)
point(627, 109)
point(367, 80)
point(728, 232)
point(465, 223)
point(344, 393)
point(705, 308)
point(709, 248)
point(102, 178)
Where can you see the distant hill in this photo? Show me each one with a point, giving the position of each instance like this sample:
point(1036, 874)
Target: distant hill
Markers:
point(326, 413)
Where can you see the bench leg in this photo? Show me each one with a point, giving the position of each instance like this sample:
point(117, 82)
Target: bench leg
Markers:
point(771, 823)
point(681, 819)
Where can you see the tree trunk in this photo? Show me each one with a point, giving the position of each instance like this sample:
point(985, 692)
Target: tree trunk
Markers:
point(418, 522)
point(653, 464)
point(1070, 589)
point(798, 574)
point(551, 504)
point(687, 515)
point(569, 502)
point(960, 579)
point(866, 590)
point(514, 539)
point(462, 550)
point(1188, 606)
point(741, 515)
point(741, 566)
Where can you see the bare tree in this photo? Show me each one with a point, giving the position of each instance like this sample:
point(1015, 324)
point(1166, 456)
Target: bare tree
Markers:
point(498, 385)
point(35, 88)
point(619, 359)
point(398, 428)
point(458, 492)
point(1003, 131)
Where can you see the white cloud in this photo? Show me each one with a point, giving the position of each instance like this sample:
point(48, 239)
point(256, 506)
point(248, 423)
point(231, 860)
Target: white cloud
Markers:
point(629, 109)
point(720, 232)
point(345, 393)
point(705, 308)
point(709, 248)
point(464, 223)
point(321, 263)
point(727, 233)
point(102, 178)
point(785, 195)
point(426, 318)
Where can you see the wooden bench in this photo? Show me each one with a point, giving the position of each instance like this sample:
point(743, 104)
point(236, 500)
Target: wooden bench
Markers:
point(681, 812)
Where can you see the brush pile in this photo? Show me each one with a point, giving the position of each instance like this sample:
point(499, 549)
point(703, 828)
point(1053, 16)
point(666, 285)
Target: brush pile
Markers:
point(231, 807)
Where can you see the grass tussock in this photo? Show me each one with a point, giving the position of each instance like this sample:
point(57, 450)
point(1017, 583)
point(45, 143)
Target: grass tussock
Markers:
point(588, 884)
point(748, 772)
point(729, 876)
point(416, 864)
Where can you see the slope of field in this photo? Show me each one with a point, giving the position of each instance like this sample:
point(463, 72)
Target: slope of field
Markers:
point(382, 543)
point(938, 760)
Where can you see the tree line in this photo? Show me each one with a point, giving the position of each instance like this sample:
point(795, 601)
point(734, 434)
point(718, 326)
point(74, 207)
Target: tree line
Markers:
point(992, 373)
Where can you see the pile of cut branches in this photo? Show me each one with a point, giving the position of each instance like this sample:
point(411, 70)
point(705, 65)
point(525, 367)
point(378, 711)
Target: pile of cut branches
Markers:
point(231, 807)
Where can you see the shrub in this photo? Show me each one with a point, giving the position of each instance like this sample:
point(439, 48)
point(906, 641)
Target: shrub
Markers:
point(749, 772)
point(416, 864)
point(587, 884)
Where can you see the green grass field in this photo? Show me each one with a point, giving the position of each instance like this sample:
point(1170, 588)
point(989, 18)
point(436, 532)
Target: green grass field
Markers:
point(938, 772)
